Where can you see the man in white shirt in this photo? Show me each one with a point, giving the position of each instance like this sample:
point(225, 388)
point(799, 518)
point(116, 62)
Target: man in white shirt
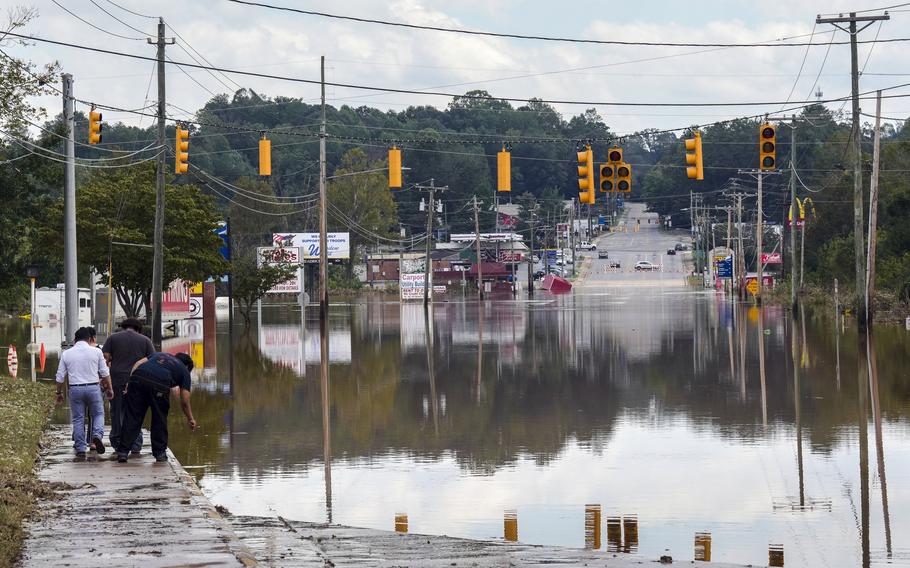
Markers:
point(83, 364)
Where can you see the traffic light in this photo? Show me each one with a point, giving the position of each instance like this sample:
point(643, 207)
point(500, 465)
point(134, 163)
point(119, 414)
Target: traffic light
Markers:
point(265, 156)
point(607, 178)
point(181, 150)
point(624, 177)
point(394, 168)
point(614, 156)
point(504, 170)
point(586, 175)
point(94, 126)
point(767, 147)
point(695, 170)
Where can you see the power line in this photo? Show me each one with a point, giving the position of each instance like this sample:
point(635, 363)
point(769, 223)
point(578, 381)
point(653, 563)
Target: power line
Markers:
point(67, 10)
point(435, 93)
point(119, 20)
point(520, 36)
point(131, 11)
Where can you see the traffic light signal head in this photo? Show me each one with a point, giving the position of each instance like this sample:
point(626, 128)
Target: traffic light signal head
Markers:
point(614, 156)
point(181, 150)
point(624, 177)
point(394, 168)
point(695, 169)
point(265, 156)
point(94, 126)
point(607, 178)
point(767, 147)
point(504, 170)
point(586, 175)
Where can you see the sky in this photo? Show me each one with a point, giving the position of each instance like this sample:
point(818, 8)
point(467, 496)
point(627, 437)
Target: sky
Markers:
point(251, 38)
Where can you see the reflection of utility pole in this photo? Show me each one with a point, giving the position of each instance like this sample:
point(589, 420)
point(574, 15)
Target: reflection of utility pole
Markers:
point(879, 447)
point(326, 413)
point(796, 404)
point(431, 368)
point(761, 367)
point(863, 392)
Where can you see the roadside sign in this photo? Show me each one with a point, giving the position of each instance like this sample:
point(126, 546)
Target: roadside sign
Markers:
point(752, 286)
point(725, 267)
point(282, 256)
point(771, 258)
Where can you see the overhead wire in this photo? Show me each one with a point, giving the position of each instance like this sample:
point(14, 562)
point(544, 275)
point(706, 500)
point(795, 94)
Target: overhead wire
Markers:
point(801, 66)
point(100, 29)
point(130, 11)
point(135, 29)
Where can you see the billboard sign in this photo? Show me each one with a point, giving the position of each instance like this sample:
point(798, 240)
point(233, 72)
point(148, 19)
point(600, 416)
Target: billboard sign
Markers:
point(411, 286)
point(176, 298)
point(277, 256)
point(771, 258)
point(338, 245)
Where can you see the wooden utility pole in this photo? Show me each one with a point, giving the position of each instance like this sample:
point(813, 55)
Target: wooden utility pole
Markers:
point(70, 264)
point(851, 20)
point(323, 223)
point(873, 210)
point(428, 262)
point(477, 244)
point(759, 229)
point(158, 257)
point(794, 217)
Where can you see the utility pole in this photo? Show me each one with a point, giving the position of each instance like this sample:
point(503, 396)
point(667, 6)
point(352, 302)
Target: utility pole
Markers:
point(428, 263)
point(477, 244)
point(158, 258)
point(759, 229)
point(794, 217)
point(531, 257)
point(70, 265)
point(323, 224)
point(851, 19)
point(873, 210)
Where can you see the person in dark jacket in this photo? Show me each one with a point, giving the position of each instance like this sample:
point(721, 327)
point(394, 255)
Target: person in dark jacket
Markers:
point(152, 382)
point(121, 351)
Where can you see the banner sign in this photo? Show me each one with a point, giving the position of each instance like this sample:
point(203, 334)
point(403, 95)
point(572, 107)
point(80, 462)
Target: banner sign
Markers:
point(411, 286)
point(176, 298)
point(771, 258)
point(277, 256)
point(338, 245)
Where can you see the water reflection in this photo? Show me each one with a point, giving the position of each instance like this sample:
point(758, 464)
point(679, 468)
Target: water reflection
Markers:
point(696, 414)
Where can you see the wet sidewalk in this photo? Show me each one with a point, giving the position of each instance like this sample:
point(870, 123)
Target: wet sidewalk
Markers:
point(141, 513)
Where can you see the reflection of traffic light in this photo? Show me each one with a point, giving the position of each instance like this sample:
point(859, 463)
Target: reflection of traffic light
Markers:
point(94, 126)
point(630, 533)
point(624, 177)
point(614, 534)
point(265, 156)
point(586, 175)
point(592, 526)
point(614, 156)
point(504, 170)
point(767, 147)
point(607, 174)
point(695, 170)
point(703, 546)
point(182, 150)
point(510, 525)
point(401, 523)
point(394, 168)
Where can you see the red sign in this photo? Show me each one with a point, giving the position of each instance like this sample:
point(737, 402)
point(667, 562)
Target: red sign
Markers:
point(507, 221)
point(176, 298)
point(771, 258)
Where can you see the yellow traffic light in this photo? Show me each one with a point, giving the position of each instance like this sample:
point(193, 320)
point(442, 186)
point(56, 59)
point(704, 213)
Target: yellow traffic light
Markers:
point(624, 177)
point(394, 168)
point(586, 175)
point(767, 147)
point(695, 169)
point(504, 170)
point(607, 178)
point(94, 126)
point(182, 149)
point(614, 156)
point(265, 156)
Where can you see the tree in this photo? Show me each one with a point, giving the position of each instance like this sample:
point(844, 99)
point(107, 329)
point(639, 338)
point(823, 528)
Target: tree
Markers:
point(361, 203)
point(117, 206)
point(21, 81)
point(251, 282)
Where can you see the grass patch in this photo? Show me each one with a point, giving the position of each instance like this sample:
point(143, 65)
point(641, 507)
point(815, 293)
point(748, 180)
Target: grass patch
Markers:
point(24, 410)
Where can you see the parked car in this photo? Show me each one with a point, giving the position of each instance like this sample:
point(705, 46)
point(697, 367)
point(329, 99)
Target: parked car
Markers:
point(603, 254)
point(585, 245)
point(614, 264)
point(539, 274)
point(671, 252)
point(679, 246)
point(645, 265)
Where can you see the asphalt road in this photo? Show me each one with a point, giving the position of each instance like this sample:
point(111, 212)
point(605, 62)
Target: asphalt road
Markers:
point(636, 239)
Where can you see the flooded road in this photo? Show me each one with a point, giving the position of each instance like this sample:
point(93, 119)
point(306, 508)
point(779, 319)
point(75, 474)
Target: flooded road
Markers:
point(624, 420)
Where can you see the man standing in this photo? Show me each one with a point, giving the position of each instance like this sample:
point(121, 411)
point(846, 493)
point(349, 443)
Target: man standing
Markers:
point(83, 364)
point(152, 381)
point(121, 351)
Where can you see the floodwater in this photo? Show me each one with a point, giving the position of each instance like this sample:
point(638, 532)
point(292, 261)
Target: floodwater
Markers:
point(646, 422)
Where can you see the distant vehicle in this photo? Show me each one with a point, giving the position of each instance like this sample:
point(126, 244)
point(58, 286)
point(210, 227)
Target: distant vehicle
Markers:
point(679, 246)
point(671, 252)
point(539, 274)
point(585, 245)
point(603, 254)
point(645, 265)
point(614, 264)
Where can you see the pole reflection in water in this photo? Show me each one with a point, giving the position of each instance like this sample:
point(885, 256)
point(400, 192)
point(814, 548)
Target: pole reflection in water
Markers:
point(510, 525)
point(879, 445)
point(796, 404)
point(401, 523)
point(614, 534)
point(703, 546)
point(431, 366)
point(592, 526)
point(479, 381)
point(862, 387)
point(326, 412)
point(761, 366)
